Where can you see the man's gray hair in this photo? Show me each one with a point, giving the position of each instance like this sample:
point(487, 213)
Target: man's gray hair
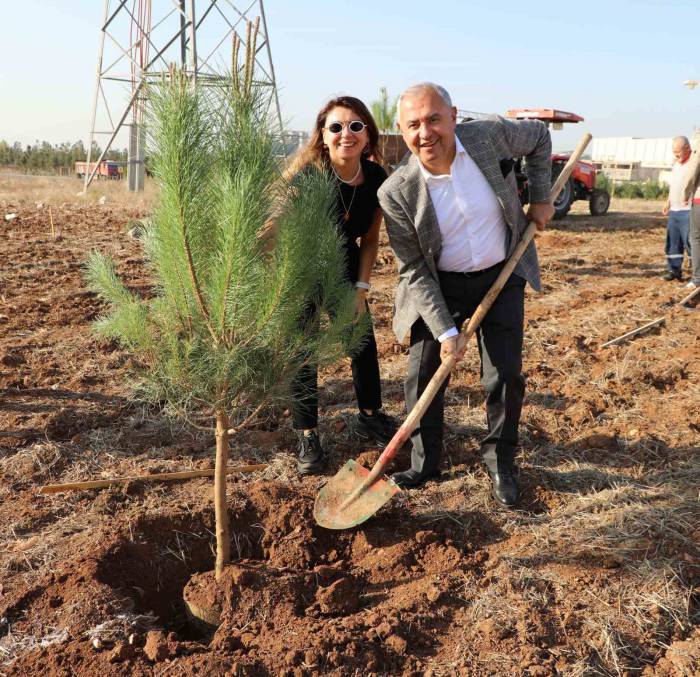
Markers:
point(683, 140)
point(421, 87)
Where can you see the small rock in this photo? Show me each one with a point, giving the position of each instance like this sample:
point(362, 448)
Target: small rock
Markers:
point(425, 537)
point(338, 598)
point(597, 441)
point(156, 647)
point(247, 639)
point(10, 217)
point(384, 629)
point(397, 644)
point(121, 652)
point(102, 200)
point(310, 658)
point(39, 205)
point(433, 594)
point(373, 618)
point(97, 644)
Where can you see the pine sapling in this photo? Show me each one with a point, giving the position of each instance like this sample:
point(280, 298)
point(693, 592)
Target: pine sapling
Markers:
point(223, 334)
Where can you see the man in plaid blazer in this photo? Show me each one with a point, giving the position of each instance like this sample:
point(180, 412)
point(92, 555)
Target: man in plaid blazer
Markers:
point(454, 217)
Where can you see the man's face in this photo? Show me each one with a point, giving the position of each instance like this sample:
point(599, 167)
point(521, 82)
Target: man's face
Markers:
point(427, 125)
point(681, 151)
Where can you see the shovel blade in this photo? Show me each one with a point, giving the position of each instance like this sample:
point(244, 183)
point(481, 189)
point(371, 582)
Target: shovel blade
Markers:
point(330, 508)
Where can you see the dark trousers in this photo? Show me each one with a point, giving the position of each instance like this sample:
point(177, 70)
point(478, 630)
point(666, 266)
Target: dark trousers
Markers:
point(677, 239)
point(500, 341)
point(365, 379)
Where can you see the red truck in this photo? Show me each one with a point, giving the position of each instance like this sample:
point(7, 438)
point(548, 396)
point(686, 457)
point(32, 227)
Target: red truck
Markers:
point(107, 169)
point(581, 185)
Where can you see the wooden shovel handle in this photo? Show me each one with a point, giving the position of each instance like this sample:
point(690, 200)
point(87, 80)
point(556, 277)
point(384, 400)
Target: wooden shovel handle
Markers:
point(155, 477)
point(416, 414)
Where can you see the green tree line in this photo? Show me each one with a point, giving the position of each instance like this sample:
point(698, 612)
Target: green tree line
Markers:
point(46, 157)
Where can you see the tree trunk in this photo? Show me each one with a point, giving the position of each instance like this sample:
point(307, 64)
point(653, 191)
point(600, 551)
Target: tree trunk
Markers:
point(223, 541)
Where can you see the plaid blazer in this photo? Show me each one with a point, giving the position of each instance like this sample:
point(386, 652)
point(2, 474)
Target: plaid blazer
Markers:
point(412, 225)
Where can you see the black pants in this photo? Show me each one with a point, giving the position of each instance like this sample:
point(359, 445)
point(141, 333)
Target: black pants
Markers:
point(365, 379)
point(500, 340)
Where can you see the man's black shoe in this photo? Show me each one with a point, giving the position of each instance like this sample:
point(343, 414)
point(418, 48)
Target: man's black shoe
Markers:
point(377, 426)
point(504, 488)
point(312, 457)
point(673, 275)
point(410, 479)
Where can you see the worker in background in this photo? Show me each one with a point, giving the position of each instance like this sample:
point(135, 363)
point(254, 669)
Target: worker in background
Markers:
point(677, 208)
point(691, 193)
point(453, 217)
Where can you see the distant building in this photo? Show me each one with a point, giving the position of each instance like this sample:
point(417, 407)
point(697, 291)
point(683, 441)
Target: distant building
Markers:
point(293, 140)
point(627, 158)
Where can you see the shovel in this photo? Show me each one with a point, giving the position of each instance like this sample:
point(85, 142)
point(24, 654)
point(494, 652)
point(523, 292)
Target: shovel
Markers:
point(354, 494)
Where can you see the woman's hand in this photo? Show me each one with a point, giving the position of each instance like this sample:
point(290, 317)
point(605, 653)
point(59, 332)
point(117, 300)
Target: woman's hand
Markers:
point(360, 303)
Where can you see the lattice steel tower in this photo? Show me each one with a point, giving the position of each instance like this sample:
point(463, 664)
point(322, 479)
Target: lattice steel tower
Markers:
point(140, 39)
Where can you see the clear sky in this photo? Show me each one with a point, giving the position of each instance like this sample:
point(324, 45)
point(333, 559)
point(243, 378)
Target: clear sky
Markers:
point(618, 63)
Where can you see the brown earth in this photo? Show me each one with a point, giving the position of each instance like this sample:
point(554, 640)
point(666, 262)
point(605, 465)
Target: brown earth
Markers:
point(596, 573)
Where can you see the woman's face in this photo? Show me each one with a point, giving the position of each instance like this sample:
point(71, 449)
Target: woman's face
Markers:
point(344, 145)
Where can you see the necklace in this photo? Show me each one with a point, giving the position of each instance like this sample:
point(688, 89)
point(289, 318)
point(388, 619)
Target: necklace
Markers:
point(349, 181)
point(346, 208)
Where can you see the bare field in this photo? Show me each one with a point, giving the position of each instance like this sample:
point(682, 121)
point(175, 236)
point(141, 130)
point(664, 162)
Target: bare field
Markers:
point(16, 189)
point(597, 573)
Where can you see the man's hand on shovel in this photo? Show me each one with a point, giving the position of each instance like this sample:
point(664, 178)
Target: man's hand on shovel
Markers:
point(454, 347)
point(541, 213)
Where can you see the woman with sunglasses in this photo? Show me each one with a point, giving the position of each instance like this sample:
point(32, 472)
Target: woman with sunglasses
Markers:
point(345, 136)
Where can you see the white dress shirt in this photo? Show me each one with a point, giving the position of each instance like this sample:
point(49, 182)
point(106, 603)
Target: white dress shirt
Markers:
point(470, 218)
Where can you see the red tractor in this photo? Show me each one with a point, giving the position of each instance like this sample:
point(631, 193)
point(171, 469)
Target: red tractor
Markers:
point(581, 185)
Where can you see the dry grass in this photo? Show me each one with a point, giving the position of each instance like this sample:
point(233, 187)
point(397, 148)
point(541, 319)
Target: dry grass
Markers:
point(54, 190)
point(14, 644)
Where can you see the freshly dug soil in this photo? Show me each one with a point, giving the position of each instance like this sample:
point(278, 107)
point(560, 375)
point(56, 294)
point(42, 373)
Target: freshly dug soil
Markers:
point(597, 572)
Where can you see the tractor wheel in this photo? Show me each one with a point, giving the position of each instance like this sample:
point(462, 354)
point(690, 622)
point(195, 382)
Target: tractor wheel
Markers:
point(564, 200)
point(599, 202)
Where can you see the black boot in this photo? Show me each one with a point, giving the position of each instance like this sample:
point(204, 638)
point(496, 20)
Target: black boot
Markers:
point(504, 487)
point(312, 457)
point(673, 275)
point(410, 479)
point(377, 426)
